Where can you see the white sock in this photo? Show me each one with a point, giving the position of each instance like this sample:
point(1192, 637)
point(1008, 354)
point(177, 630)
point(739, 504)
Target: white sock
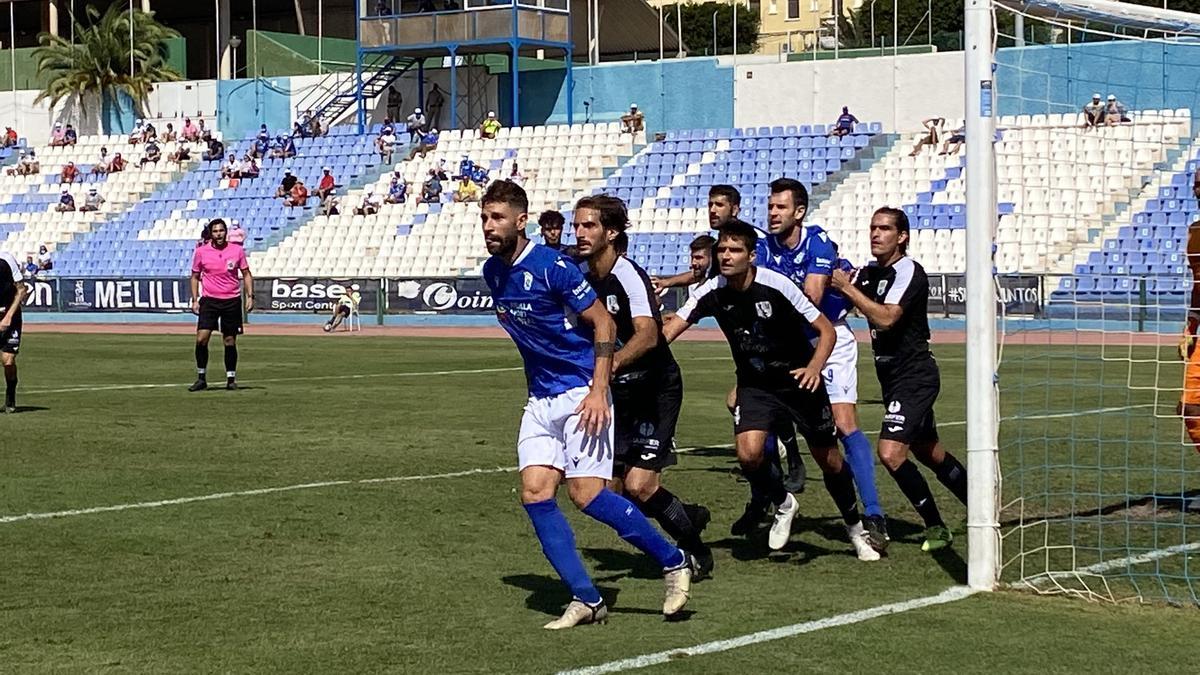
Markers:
point(231, 374)
point(201, 371)
point(855, 529)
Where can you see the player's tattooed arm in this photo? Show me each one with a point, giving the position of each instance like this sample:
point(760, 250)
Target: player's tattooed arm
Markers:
point(605, 349)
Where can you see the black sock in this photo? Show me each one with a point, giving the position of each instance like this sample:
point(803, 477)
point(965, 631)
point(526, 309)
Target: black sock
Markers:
point(201, 359)
point(665, 507)
point(230, 360)
point(10, 390)
point(913, 485)
point(787, 438)
point(768, 482)
point(953, 475)
point(841, 487)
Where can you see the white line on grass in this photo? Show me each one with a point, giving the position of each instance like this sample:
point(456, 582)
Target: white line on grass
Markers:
point(949, 595)
point(16, 518)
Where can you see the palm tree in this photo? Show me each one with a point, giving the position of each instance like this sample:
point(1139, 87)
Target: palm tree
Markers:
point(97, 64)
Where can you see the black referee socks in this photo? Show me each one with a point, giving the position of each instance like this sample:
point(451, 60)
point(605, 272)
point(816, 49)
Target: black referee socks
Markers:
point(230, 359)
point(201, 358)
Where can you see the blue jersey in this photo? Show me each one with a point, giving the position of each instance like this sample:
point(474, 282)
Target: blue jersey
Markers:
point(538, 301)
point(816, 254)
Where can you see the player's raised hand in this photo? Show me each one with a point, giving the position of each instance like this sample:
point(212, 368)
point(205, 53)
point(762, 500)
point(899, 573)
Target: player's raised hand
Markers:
point(808, 377)
point(594, 413)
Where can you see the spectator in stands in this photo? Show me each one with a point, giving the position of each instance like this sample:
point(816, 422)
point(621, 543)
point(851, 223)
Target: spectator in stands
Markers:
point(1093, 112)
point(327, 185)
point(386, 144)
point(181, 154)
point(395, 101)
point(844, 124)
point(263, 134)
point(467, 190)
point(956, 140)
point(10, 137)
point(45, 261)
point(65, 202)
point(153, 154)
point(31, 268)
point(431, 192)
point(92, 201)
point(286, 185)
point(329, 207)
point(69, 173)
point(249, 167)
point(297, 195)
point(314, 126)
point(118, 163)
point(138, 134)
point(1115, 112)
point(515, 176)
point(415, 125)
point(387, 126)
point(102, 163)
point(57, 136)
point(285, 147)
point(429, 142)
point(191, 134)
point(933, 134)
point(205, 134)
point(261, 147)
point(480, 176)
point(150, 133)
point(440, 171)
point(490, 127)
point(27, 165)
point(551, 224)
point(397, 189)
point(633, 121)
point(216, 150)
point(370, 204)
point(231, 167)
point(169, 136)
point(70, 136)
point(236, 234)
point(299, 130)
point(435, 100)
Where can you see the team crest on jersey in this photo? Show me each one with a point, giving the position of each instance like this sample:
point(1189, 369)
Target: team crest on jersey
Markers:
point(228, 265)
point(526, 280)
point(763, 309)
point(883, 284)
point(613, 304)
point(894, 407)
point(799, 258)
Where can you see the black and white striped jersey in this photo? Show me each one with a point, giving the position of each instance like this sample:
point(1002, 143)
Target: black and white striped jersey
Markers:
point(10, 279)
point(902, 283)
point(766, 325)
point(626, 292)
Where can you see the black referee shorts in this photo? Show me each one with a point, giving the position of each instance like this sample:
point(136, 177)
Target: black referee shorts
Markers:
point(762, 409)
point(222, 313)
point(645, 412)
point(908, 399)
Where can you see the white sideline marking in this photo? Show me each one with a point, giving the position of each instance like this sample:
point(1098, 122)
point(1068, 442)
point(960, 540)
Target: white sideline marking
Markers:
point(396, 479)
point(309, 378)
point(949, 595)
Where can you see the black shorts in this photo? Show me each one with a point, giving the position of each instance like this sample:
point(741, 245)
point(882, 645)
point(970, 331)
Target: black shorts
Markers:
point(344, 310)
point(761, 409)
point(908, 398)
point(645, 413)
point(10, 338)
point(223, 313)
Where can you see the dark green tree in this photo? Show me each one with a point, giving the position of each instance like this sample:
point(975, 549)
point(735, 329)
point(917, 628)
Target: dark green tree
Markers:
point(697, 22)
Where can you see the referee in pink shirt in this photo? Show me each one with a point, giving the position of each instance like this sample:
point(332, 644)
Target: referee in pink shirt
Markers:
point(216, 300)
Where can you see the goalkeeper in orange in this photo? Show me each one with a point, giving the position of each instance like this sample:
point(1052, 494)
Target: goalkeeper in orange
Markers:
point(1189, 403)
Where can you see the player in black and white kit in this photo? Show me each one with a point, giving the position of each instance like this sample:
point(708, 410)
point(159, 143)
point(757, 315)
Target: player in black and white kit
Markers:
point(893, 294)
point(765, 318)
point(13, 291)
point(647, 388)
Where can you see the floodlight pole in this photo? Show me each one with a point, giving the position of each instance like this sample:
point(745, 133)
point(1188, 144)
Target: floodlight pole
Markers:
point(983, 530)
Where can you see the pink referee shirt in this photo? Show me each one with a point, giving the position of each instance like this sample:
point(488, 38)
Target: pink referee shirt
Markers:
point(218, 270)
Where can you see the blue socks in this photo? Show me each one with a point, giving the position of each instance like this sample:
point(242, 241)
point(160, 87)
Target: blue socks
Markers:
point(558, 544)
point(862, 464)
point(631, 525)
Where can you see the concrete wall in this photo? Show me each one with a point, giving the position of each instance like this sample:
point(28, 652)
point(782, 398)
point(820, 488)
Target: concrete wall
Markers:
point(900, 92)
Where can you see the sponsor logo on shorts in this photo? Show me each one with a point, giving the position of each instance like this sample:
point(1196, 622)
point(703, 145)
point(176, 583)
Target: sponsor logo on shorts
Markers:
point(647, 456)
point(737, 414)
point(893, 429)
point(894, 407)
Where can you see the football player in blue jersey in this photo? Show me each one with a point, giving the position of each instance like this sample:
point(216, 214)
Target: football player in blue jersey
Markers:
point(566, 339)
point(807, 256)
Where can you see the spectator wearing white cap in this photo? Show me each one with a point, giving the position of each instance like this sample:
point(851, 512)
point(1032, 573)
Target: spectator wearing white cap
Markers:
point(633, 121)
point(286, 185)
point(138, 134)
point(386, 144)
point(490, 127)
point(326, 186)
point(28, 165)
point(65, 202)
point(415, 124)
point(92, 201)
point(1115, 112)
point(370, 204)
point(397, 189)
point(1093, 112)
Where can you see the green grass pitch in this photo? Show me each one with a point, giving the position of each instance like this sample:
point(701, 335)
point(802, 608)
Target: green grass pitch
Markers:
point(444, 575)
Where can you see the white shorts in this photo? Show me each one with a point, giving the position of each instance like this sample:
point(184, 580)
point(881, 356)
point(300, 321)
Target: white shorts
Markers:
point(841, 370)
point(548, 437)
